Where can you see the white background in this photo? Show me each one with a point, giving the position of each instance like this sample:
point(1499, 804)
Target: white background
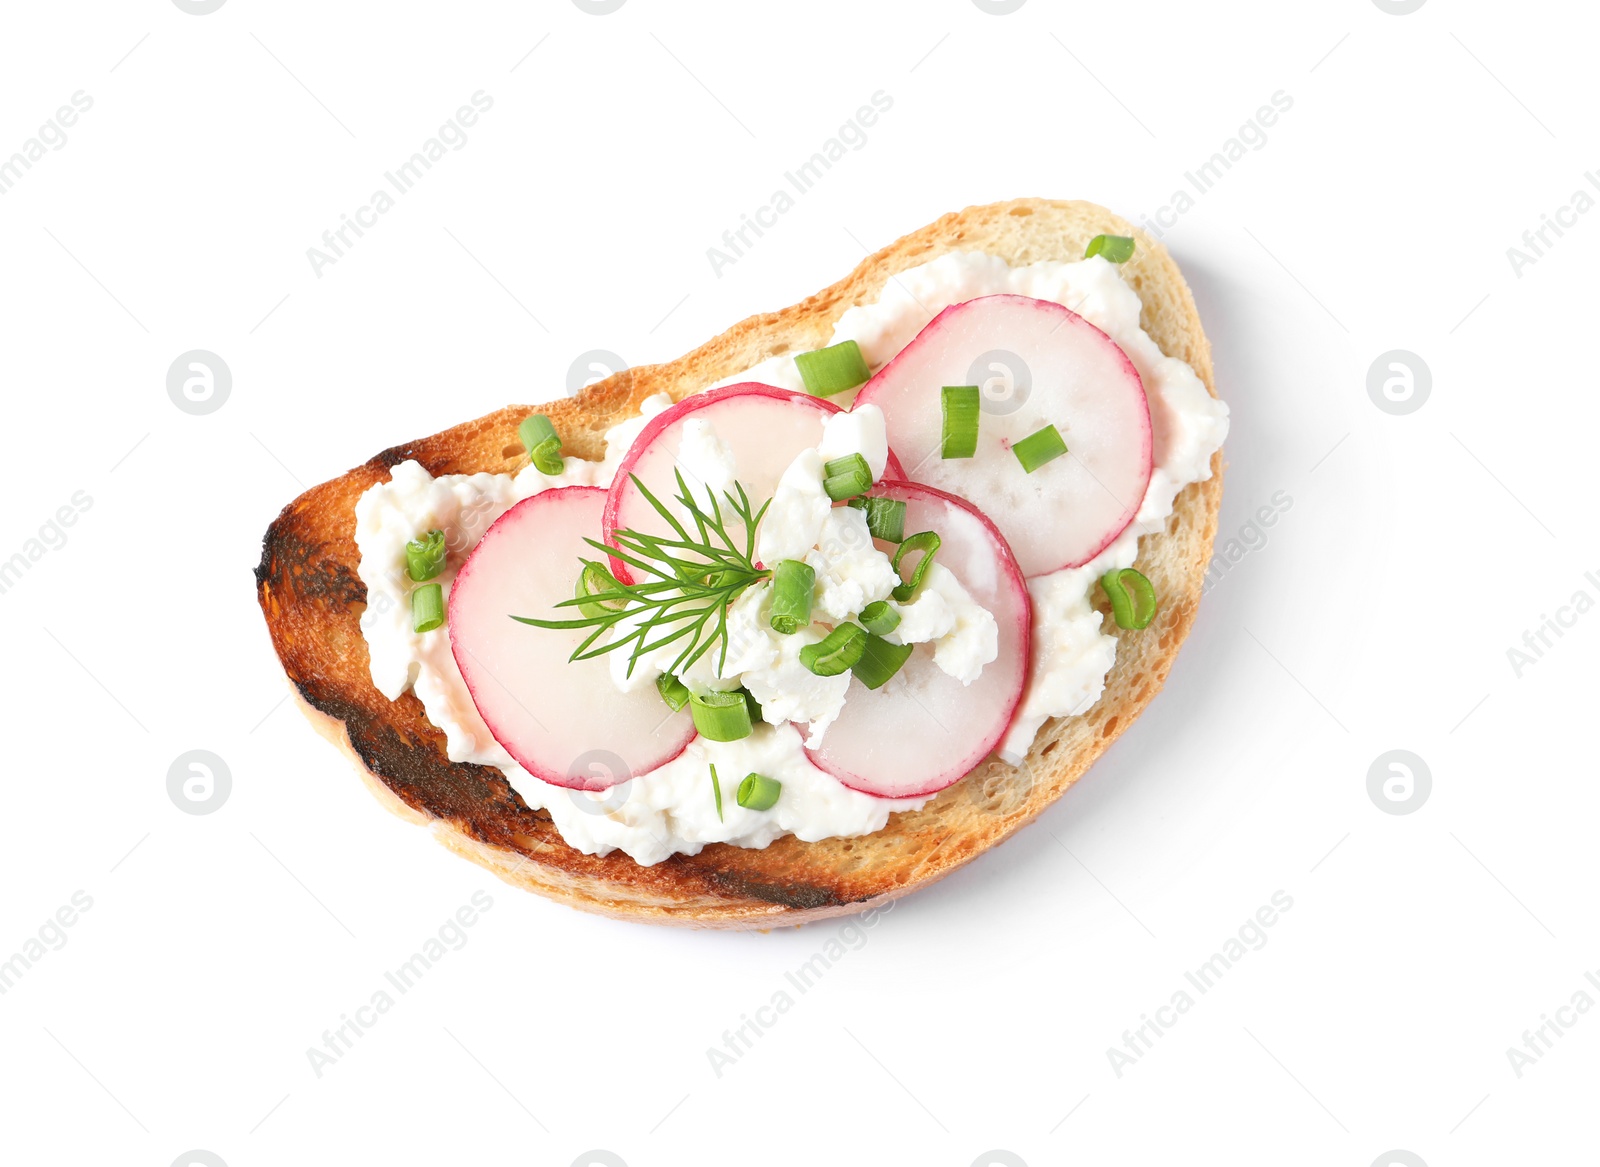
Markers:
point(977, 1015)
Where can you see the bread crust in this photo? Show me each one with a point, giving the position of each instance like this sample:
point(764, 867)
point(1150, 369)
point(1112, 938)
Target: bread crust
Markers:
point(312, 599)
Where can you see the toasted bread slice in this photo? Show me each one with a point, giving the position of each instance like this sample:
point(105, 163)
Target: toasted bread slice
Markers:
point(312, 599)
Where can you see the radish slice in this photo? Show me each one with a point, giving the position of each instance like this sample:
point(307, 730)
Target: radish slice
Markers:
point(1038, 364)
point(763, 427)
point(924, 729)
point(563, 722)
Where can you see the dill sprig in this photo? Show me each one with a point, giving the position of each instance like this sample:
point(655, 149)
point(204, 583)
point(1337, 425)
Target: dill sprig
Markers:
point(687, 581)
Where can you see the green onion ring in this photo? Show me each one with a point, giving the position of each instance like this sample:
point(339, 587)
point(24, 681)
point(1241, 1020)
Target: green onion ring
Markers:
point(425, 556)
point(758, 792)
point(958, 407)
point(1116, 248)
point(427, 608)
point(886, 517)
point(792, 585)
point(595, 580)
point(928, 543)
point(833, 369)
point(543, 444)
point(673, 691)
point(878, 618)
point(721, 716)
point(837, 652)
point(1039, 447)
point(880, 661)
point(846, 477)
point(1133, 599)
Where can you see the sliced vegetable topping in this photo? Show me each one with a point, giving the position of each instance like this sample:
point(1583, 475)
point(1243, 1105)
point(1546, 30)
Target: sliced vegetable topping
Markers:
point(927, 729)
point(959, 406)
point(425, 556)
point(833, 369)
point(427, 607)
point(878, 618)
point(689, 581)
point(1039, 447)
point(879, 661)
point(846, 477)
point(1116, 248)
point(753, 706)
point(673, 691)
point(792, 586)
point(926, 542)
point(1035, 362)
point(595, 580)
point(542, 442)
point(886, 517)
point(1133, 600)
point(837, 652)
point(758, 792)
point(549, 713)
point(722, 717)
point(716, 790)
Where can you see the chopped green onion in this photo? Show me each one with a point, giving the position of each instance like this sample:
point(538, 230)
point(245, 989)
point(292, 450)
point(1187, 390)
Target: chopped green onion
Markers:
point(1134, 610)
point(595, 580)
point(716, 789)
point(846, 477)
point(878, 618)
point(536, 429)
point(879, 661)
point(720, 716)
point(427, 608)
point(1116, 248)
point(673, 691)
point(833, 370)
point(792, 585)
point(542, 442)
point(425, 556)
point(886, 517)
point(753, 706)
point(758, 792)
point(1039, 447)
point(837, 652)
point(928, 543)
point(958, 405)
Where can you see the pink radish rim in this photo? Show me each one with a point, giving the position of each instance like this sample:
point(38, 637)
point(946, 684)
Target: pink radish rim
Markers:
point(538, 771)
point(675, 413)
point(1009, 563)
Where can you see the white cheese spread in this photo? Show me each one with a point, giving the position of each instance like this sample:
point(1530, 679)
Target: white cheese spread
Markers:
point(670, 810)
